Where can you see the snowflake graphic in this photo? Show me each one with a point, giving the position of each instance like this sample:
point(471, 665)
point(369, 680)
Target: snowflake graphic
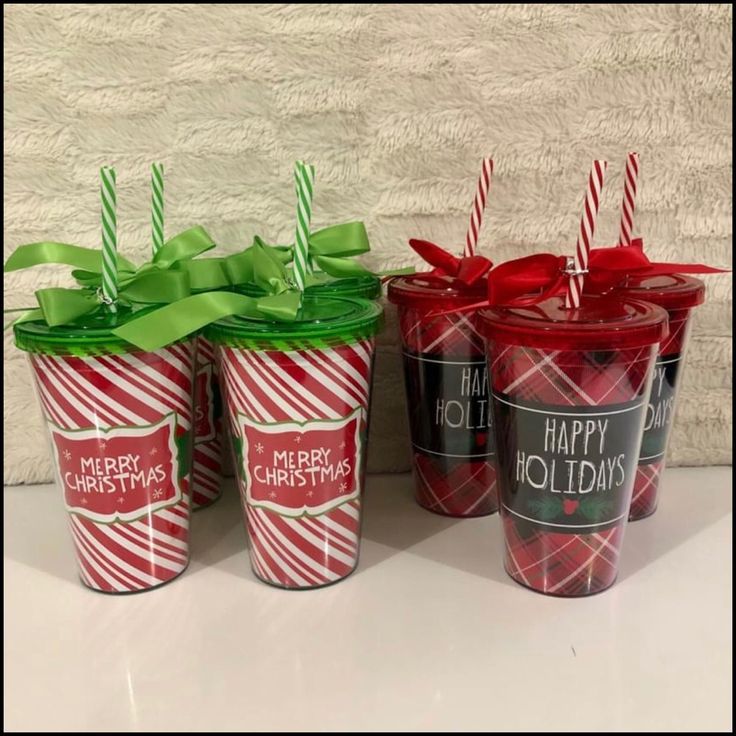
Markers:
point(272, 494)
point(342, 445)
point(343, 487)
point(259, 448)
point(298, 439)
point(67, 455)
point(84, 501)
point(153, 451)
point(157, 493)
point(121, 499)
point(310, 494)
point(103, 445)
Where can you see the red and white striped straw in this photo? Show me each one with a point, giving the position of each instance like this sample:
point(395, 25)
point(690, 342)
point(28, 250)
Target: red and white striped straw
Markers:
point(479, 204)
point(585, 237)
point(629, 203)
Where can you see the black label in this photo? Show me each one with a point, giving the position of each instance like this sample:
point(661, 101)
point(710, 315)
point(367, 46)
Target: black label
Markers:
point(449, 406)
point(661, 408)
point(569, 469)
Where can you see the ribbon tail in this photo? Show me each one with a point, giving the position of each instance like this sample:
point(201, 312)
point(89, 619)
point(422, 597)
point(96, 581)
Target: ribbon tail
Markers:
point(29, 316)
point(283, 307)
point(37, 254)
point(341, 267)
point(176, 321)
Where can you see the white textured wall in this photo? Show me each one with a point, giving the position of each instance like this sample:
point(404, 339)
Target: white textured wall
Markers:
point(395, 104)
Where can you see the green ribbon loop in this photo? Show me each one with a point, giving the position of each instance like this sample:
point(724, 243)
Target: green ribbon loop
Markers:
point(61, 306)
point(239, 267)
point(169, 277)
point(37, 254)
point(331, 248)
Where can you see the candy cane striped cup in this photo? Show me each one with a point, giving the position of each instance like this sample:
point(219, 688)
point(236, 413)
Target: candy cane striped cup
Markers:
point(297, 398)
point(120, 425)
point(570, 391)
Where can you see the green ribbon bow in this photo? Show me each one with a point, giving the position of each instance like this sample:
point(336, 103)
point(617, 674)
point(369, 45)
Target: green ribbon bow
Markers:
point(331, 248)
point(175, 321)
point(169, 277)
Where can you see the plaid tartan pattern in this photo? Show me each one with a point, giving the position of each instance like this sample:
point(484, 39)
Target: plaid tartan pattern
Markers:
point(446, 485)
point(558, 563)
point(448, 335)
point(646, 483)
point(649, 475)
point(561, 564)
point(459, 488)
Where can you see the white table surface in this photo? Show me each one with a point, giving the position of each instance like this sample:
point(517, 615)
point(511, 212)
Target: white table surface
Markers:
point(428, 634)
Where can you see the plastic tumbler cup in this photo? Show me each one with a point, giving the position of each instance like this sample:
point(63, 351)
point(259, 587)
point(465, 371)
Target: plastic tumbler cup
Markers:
point(208, 437)
point(450, 418)
point(120, 423)
point(677, 294)
point(570, 391)
point(297, 398)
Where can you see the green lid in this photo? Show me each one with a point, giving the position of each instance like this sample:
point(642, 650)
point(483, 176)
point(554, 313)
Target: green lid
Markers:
point(323, 321)
point(364, 287)
point(89, 335)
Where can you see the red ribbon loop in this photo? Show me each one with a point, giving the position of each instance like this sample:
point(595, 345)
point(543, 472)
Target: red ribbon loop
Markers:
point(530, 280)
point(468, 269)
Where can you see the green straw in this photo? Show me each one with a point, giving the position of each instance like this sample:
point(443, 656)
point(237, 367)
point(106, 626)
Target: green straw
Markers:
point(157, 206)
point(109, 238)
point(304, 176)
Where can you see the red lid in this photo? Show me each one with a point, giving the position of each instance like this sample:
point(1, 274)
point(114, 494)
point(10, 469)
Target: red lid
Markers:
point(601, 323)
point(671, 292)
point(424, 291)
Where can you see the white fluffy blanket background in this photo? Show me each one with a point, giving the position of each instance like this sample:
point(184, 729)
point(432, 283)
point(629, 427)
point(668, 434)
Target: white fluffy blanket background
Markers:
point(395, 105)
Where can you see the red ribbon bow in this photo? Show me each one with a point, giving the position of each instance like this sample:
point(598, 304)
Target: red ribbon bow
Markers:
point(530, 280)
point(468, 269)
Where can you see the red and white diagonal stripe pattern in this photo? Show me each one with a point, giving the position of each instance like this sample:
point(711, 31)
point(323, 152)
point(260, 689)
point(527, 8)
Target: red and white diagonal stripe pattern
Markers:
point(207, 457)
point(555, 562)
point(479, 205)
point(300, 385)
point(628, 204)
point(585, 236)
point(105, 391)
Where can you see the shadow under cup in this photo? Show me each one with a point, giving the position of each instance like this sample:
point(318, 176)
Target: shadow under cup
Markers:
point(446, 380)
point(570, 389)
point(120, 424)
point(297, 398)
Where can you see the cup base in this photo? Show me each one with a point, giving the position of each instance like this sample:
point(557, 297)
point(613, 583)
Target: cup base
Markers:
point(211, 502)
point(561, 595)
point(640, 517)
point(271, 583)
point(140, 590)
point(450, 515)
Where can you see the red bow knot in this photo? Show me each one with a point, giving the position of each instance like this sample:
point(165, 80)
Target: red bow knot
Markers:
point(530, 280)
point(468, 269)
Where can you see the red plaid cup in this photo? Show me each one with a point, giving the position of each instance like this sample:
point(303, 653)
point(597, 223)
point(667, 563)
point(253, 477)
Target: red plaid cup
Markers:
point(677, 294)
point(449, 405)
point(570, 390)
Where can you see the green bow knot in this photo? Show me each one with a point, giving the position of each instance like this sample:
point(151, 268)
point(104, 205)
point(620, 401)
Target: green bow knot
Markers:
point(170, 275)
point(332, 249)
